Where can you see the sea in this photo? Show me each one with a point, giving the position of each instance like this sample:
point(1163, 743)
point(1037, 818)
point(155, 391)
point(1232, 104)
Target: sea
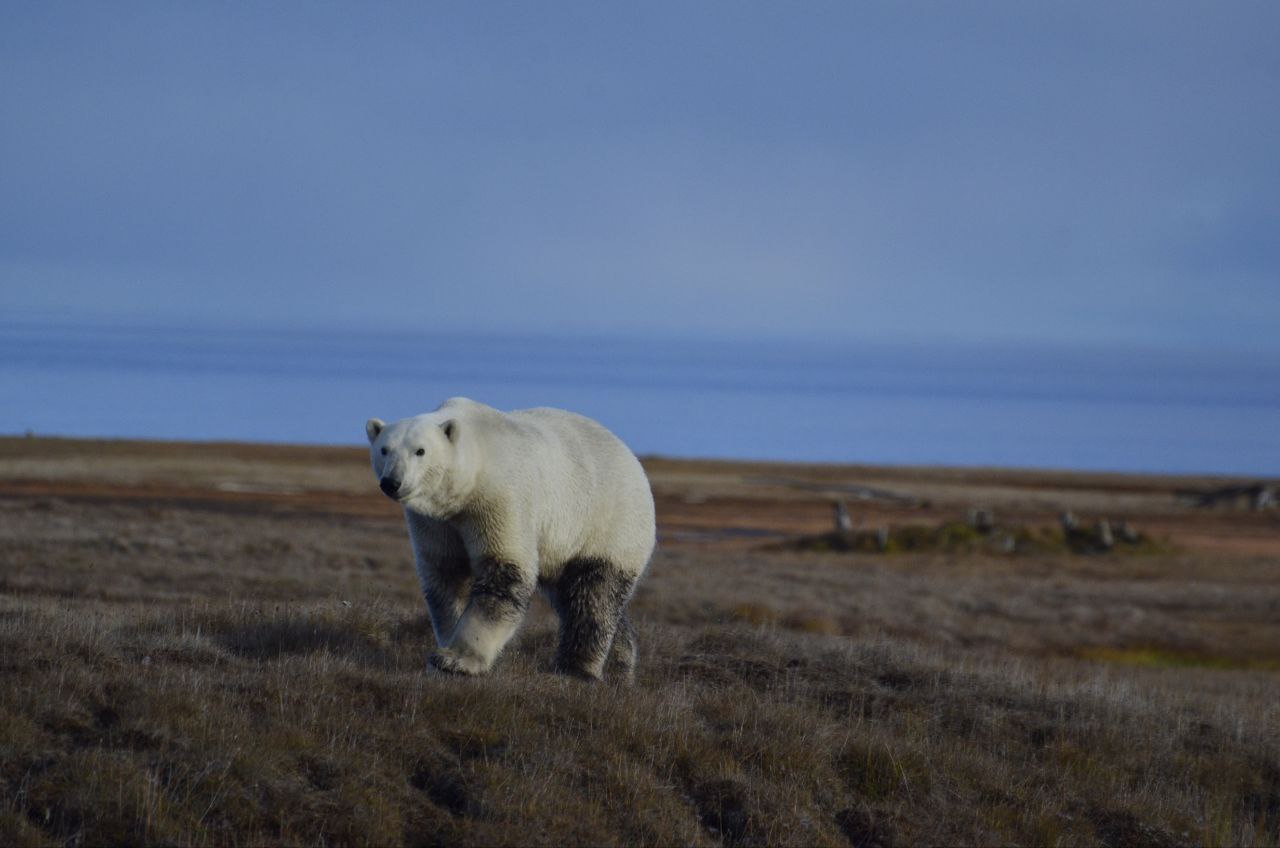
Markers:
point(1007, 405)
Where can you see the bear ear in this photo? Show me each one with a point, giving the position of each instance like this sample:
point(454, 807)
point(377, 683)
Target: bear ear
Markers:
point(373, 427)
point(450, 428)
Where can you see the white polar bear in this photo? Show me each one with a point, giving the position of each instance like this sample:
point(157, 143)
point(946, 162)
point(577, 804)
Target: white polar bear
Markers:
point(500, 503)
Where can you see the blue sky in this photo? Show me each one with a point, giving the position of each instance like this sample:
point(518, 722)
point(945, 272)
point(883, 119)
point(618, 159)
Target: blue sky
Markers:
point(1062, 172)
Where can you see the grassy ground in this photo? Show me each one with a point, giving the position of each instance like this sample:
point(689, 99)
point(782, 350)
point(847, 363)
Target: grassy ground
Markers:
point(225, 645)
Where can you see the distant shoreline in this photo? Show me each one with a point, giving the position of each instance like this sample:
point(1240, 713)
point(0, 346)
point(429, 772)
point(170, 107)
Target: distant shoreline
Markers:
point(725, 504)
point(10, 444)
point(928, 405)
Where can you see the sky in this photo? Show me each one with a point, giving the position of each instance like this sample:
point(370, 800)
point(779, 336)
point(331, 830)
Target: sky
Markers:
point(1071, 173)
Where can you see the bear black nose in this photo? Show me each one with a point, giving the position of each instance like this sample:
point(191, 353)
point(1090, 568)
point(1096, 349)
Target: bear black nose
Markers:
point(390, 485)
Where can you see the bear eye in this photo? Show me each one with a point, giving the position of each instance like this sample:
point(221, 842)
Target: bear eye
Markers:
point(384, 451)
point(420, 451)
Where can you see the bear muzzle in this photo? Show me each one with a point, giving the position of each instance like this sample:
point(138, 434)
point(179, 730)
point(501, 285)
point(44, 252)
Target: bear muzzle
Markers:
point(390, 487)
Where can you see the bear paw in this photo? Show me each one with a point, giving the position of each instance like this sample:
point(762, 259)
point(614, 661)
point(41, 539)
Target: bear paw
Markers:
point(449, 662)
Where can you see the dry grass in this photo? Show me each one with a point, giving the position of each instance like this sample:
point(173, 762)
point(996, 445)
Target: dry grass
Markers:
point(194, 675)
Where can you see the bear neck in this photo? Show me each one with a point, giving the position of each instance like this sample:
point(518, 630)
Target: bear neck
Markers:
point(448, 498)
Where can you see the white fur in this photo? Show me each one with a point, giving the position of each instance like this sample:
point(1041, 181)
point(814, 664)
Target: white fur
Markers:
point(535, 488)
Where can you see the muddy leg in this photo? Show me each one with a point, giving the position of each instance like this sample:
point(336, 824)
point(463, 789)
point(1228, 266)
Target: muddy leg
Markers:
point(589, 597)
point(623, 651)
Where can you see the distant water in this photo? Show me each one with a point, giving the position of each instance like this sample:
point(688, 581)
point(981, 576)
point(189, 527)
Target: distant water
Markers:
point(996, 406)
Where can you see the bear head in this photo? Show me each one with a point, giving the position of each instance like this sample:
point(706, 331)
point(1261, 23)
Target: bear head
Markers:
point(417, 462)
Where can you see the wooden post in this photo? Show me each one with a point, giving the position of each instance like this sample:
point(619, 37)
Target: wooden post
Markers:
point(1264, 497)
point(982, 520)
point(1102, 531)
point(844, 524)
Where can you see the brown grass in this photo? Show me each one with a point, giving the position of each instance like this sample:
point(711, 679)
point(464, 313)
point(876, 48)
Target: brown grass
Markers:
point(191, 674)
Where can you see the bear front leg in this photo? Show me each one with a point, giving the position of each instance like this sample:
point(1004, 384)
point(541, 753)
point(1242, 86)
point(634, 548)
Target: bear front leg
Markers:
point(446, 586)
point(500, 596)
point(444, 572)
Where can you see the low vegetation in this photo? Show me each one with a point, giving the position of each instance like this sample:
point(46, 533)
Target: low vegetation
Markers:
point(955, 537)
point(201, 674)
point(305, 723)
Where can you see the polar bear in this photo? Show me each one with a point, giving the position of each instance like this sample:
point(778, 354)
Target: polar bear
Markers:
point(500, 503)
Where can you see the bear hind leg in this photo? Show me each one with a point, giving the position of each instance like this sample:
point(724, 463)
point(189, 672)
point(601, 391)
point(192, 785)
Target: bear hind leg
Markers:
point(590, 598)
point(623, 651)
